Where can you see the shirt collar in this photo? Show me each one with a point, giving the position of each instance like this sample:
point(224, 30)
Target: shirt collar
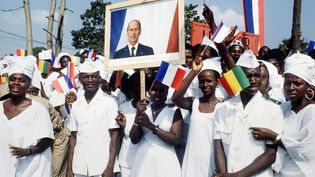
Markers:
point(98, 96)
point(135, 46)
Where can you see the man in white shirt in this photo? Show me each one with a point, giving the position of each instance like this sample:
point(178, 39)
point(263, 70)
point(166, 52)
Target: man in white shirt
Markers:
point(94, 136)
point(238, 151)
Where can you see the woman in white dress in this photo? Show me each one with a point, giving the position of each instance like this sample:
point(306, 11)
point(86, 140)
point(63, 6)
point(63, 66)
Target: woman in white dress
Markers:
point(28, 125)
point(158, 129)
point(296, 154)
point(198, 158)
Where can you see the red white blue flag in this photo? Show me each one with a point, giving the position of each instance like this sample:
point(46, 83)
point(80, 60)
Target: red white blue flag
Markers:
point(170, 75)
point(254, 18)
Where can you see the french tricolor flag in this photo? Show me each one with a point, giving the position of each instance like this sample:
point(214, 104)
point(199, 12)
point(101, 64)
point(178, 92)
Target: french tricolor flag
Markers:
point(91, 54)
point(158, 30)
point(170, 75)
point(254, 18)
point(62, 84)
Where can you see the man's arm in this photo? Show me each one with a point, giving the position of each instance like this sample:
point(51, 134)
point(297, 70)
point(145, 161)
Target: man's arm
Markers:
point(72, 143)
point(113, 151)
point(261, 163)
point(219, 157)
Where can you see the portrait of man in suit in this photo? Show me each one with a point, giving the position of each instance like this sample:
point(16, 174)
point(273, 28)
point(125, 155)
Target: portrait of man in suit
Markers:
point(133, 48)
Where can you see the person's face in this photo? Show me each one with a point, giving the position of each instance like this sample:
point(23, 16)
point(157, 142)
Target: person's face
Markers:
point(133, 32)
point(264, 79)
point(64, 61)
point(90, 81)
point(188, 58)
point(207, 82)
point(254, 77)
point(294, 88)
point(235, 52)
point(206, 52)
point(276, 63)
point(18, 84)
point(158, 93)
point(33, 90)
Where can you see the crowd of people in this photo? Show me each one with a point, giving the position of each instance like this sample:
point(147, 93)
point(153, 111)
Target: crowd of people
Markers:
point(197, 130)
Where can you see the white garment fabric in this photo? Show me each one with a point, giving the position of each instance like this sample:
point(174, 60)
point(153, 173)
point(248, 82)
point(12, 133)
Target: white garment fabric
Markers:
point(156, 158)
point(127, 150)
point(26, 129)
point(232, 124)
point(298, 157)
point(199, 158)
point(6, 159)
point(92, 122)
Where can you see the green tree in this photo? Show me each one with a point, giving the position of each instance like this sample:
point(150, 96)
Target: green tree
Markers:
point(36, 50)
point(191, 14)
point(91, 35)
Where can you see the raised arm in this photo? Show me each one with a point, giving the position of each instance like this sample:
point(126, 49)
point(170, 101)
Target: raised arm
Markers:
point(178, 96)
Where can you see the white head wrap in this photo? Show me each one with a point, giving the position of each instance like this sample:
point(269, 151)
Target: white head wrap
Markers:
point(302, 66)
point(213, 64)
point(248, 60)
point(274, 77)
point(25, 66)
point(89, 66)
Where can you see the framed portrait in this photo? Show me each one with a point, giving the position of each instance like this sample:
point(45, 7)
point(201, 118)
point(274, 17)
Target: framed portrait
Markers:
point(142, 33)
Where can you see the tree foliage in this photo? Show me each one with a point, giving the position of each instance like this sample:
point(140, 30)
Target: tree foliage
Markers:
point(36, 50)
point(91, 35)
point(191, 14)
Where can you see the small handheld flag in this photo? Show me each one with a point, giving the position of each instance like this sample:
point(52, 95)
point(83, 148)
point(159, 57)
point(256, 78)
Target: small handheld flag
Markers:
point(3, 80)
point(62, 84)
point(234, 81)
point(43, 66)
point(220, 33)
point(170, 75)
point(21, 52)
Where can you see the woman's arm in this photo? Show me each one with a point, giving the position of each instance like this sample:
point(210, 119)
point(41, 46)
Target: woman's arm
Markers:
point(178, 96)
point(174, 136)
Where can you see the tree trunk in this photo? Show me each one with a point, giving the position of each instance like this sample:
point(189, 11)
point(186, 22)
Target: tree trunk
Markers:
point(51, 18)
point(58, 46)
point(296, 26)
point(29, 37)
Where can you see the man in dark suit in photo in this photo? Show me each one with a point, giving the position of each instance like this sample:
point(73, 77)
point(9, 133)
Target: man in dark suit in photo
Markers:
point(134, 48)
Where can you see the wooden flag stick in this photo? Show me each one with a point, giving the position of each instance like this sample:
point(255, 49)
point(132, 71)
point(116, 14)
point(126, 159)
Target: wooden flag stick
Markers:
point(142, 83)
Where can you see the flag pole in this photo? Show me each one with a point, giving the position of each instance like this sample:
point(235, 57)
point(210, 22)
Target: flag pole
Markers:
point(142, 83)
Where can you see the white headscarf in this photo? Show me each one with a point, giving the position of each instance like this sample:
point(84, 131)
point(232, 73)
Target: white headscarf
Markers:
point(23, 65)
point(302, 66)
point(274, 77)
point(248, 60)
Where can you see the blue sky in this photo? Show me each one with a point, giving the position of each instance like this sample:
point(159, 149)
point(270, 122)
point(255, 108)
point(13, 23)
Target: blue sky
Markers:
point(278, 20)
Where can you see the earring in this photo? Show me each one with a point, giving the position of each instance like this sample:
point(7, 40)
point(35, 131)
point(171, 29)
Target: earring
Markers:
point(312, 93)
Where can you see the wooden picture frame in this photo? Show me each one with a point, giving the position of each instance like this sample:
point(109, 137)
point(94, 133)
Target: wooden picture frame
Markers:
point(162, 30)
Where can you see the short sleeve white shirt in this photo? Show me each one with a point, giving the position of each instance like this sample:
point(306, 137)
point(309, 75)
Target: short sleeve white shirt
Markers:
point(232, 124)
point(92, 122)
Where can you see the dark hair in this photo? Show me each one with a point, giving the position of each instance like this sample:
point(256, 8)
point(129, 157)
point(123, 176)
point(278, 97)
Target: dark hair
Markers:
point(188, 46)
point(275, 54)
